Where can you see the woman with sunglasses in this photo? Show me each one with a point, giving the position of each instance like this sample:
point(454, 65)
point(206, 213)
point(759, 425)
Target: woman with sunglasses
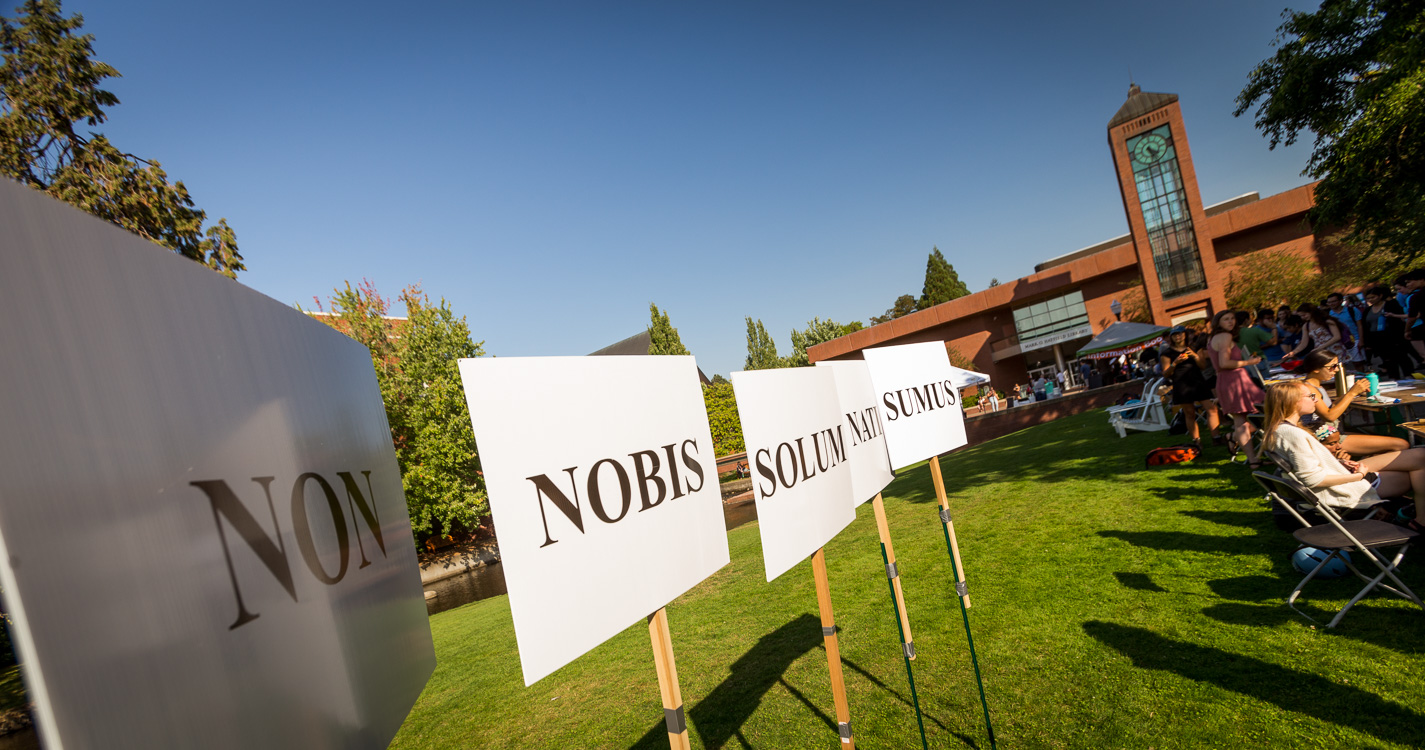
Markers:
point(1320, 367)
point(1338, 482)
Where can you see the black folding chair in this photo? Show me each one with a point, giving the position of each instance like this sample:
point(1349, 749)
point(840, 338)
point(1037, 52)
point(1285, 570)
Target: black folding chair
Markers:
point(1373, 540)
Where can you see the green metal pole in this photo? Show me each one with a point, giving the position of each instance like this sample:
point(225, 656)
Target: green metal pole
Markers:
point(960, 590)
point(905, 647)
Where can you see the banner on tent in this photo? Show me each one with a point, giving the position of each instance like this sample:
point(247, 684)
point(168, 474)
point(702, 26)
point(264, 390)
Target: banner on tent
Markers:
point(919, 401)
point(603, 484)
point(203, 539)
point(797, 450)
point(865, 436)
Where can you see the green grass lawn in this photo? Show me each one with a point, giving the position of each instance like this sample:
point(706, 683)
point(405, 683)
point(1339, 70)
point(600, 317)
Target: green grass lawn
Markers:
point(1114, 606)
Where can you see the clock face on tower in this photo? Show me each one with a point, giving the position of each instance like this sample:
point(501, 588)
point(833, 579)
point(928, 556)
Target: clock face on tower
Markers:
point(1150, 148)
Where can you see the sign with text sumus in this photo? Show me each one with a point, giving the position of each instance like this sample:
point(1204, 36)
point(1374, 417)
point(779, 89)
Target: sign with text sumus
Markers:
point(603, 485)
point(919, 402)
point(205, 542)
point(797, 450)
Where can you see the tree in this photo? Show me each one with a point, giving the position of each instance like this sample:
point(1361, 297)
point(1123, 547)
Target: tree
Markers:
point(818, 332)
point(723, 421)
point(416, 368)
point(905, 305)
point(663, 337)
point(994, 282)
point(1353, 73)
point(48, 84)
point(942, 284)
point(761, 350)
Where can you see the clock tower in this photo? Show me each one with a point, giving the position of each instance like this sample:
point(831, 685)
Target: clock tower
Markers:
point(1165, 216)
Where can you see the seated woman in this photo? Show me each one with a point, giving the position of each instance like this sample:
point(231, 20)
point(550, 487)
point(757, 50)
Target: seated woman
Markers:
point(1325, 420)
point(1336, 482)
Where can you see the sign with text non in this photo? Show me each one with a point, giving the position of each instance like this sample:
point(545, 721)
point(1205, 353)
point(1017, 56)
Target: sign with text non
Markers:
point(203, 537)
point(603, 484)
point(919, 402)
point(866, 439)
point(797, 448)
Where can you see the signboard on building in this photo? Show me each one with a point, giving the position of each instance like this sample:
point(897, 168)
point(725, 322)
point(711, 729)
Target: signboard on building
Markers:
point(603, 484)
point(797, 451)
point(919, 400)
point(1060, 337)
point(203, 537)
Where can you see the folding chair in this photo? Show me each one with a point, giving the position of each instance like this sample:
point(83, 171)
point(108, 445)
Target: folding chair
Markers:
point(1147, 414)
point(1370, 539)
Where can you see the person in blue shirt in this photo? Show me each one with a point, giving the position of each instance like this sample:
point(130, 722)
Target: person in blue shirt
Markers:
point(1349, 319)
point(1266, 320)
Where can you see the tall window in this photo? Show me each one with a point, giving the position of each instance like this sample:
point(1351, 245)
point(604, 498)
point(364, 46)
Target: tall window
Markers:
point(1050, 316)
point(1165, 210)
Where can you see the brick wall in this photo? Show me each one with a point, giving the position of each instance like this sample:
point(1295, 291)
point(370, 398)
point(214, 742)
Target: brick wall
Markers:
point(980, 428)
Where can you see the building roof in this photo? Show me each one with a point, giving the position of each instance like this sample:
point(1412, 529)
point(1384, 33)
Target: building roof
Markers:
point(1140, 103)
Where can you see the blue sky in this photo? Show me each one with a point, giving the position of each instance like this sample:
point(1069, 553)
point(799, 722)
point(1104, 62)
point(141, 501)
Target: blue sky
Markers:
point(552, 168)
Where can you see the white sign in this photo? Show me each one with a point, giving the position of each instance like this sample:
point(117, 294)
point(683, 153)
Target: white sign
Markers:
point(203, 538)
point(798, 453)
point(919, 401)
point(866, 440)
point(603, 484)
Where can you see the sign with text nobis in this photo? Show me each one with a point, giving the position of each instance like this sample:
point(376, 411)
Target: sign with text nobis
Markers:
point(866, 440)
point(920, 406)
point(603, 484)
point(797, 450)
point(203, 538)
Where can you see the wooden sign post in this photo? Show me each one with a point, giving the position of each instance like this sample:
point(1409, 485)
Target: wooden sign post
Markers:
point(673, 713)
point(962, 587)
point(802, 484)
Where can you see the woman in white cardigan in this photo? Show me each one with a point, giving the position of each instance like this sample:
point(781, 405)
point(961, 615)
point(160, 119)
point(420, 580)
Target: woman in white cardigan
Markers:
point(1340, 483)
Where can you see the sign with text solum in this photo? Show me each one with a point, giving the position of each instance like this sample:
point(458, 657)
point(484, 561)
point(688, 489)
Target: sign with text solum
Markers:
point(203, 538)
point(603, 484)
point(919, 403)
point(866, 440)
point(797, 449)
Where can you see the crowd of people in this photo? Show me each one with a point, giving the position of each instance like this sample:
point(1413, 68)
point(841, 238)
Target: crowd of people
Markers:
point(1217, 376)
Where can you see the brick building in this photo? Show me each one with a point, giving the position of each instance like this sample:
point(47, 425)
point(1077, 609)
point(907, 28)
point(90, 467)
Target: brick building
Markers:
point(1174, 262)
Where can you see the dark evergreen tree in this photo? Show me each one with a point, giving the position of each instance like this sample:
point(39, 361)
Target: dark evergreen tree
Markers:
point(942, 284)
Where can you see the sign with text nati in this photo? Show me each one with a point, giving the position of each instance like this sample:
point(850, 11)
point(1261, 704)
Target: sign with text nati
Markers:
point(920, 406)
point(203, 537)
point(866, 446)
point(603, 484)
point(797, 448)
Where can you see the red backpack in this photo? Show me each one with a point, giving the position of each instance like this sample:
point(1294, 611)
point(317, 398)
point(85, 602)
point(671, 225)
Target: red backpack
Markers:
point(1173, 454)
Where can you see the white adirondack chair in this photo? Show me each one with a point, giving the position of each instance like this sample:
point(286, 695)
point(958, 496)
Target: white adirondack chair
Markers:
point(1147, 414)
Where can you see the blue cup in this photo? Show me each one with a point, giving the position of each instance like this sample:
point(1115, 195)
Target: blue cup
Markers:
point(1374, 380)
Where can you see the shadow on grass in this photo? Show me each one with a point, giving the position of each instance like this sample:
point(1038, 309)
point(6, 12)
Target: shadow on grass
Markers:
point(1247, 519)
point(1394, 628)
point(1180, 541)
point(1139, 581)
point(1289, 689)
point(719, 717)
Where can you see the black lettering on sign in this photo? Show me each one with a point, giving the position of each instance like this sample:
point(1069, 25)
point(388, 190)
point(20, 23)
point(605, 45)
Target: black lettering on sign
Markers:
point(789, 463)
point(271, 551)
point(657, 481)
point(908, 402)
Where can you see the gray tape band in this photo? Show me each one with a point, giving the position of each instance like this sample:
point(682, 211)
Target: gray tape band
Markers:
point(827, 632)
point(891, 571)
point(909, 650)
point(844, 728)
point(962, 588)
point(945, 515)
point(674, 718)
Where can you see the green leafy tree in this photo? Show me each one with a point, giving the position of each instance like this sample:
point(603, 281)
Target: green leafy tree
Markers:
point(761, 350)
point(852, 327)
point(723, 420)
point(1353, 73)
point(49, 84)
point(663, 337)
point(818, 331)
point(416, 367)
point(942, 284)
point(905, 305)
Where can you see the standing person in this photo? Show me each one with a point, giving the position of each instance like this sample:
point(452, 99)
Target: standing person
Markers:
point(1322, 332)
point(1190, 390)
point(1237, 395)
point(1254, 339)
point(1349, 318)
point(1383, 333)
point(1039, 383)
point(1267, 321)
point(1336, 482)
point(1290, 335)
point(1415, 312)
point(994, 399)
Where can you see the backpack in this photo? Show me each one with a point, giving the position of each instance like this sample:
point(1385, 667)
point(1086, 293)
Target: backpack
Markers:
point(1173, 454)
